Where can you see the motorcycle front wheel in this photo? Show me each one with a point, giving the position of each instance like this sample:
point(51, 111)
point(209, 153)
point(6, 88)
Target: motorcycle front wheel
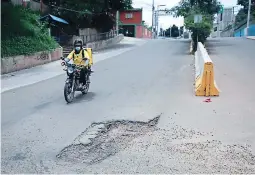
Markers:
point(68, 94)
point(86, 89)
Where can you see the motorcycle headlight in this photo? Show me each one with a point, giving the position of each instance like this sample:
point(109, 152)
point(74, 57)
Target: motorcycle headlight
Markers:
point(70, 70)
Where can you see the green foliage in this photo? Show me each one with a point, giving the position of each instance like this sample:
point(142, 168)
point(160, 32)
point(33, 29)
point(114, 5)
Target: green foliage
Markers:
point(185, 7)
point(22, 33)
point(241, 16)
point(23, 45)
point(188, 8)
point(181, 30)
point(174, 31)
point(88, 13)
point(245, 4)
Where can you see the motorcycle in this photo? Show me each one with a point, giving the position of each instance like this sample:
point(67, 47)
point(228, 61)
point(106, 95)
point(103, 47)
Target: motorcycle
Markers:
point(72, 83)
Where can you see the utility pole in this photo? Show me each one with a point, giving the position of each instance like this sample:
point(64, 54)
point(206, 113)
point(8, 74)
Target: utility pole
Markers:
point(233, 21)
point(218, 25)
point(156, 23)
point(117, 22)
point(152, 22)
point(248, 18)
point(41, 6)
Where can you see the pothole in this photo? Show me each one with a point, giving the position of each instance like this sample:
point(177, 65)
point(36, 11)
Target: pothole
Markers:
point(104, 139)
point(175, 149)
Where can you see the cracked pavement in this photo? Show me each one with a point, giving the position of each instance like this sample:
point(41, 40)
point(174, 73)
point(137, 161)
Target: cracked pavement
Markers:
point(108, 130)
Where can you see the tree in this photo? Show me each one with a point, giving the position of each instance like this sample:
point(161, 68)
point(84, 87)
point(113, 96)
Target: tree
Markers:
point(245, 4)
point(241, 16)
point(181, 30)
point(88, 13)
point(174, 31)
point(188, 8)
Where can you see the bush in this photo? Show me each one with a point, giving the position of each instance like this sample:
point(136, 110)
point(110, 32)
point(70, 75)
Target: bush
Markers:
point(26, 45)
point(22, 33)
point(200, 31)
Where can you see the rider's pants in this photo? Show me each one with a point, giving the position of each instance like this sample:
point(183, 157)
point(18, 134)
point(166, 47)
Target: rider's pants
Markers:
point(82, 75)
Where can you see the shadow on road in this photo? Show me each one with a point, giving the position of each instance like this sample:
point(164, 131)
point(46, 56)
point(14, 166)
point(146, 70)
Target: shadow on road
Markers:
point(183, 49)
point(81, 97)
point(210, 47)
point(212, 44)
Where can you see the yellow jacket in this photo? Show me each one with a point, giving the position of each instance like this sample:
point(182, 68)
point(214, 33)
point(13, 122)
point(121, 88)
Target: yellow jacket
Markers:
point(78, 58)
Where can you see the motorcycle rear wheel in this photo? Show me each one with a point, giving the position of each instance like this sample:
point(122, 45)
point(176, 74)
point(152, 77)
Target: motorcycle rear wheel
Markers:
point(68, 94)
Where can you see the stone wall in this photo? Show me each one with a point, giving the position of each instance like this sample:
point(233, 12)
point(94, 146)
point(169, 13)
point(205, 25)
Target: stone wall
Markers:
point(16, 63)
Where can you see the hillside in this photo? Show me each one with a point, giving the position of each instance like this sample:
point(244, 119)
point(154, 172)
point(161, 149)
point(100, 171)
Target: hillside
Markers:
point(22, 33)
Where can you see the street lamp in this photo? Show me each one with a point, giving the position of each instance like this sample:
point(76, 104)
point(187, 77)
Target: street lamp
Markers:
point(157, 17)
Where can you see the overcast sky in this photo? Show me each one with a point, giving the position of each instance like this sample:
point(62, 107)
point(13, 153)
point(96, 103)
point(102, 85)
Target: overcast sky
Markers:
point(166, 21)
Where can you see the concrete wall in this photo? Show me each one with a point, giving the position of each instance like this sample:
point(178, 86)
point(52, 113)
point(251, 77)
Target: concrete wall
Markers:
point(241, 31)
point(15, 63)
point(90, 33)
point(142, 32)
point(105, 43)
point(34, 5)
point(139, 31)
point(227, 33)
point(227, 16)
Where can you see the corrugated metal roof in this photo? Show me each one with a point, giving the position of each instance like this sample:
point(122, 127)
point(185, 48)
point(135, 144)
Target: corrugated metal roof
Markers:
point(59, 19)
point(55, 18)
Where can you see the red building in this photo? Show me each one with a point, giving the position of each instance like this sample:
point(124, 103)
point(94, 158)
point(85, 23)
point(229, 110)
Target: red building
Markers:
point(132, 25)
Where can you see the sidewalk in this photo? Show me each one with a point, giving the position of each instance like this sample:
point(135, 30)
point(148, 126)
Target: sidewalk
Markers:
point(53, 69)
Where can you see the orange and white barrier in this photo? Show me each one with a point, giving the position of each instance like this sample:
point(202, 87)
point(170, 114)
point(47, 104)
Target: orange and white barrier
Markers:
point(205, 84)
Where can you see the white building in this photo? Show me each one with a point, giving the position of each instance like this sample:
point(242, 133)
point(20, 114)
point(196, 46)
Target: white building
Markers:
point(226, 18)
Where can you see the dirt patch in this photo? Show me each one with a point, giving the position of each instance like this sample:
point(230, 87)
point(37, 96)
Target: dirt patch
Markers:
point(105, 139)
point(176, 150)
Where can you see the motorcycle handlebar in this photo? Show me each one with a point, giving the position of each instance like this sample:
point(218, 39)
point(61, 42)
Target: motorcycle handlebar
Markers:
point(65, 63)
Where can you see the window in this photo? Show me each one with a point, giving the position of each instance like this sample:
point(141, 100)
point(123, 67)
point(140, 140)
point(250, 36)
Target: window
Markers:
point(129, 15)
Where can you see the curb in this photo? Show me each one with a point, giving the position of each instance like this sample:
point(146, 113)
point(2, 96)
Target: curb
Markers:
point(251, 37)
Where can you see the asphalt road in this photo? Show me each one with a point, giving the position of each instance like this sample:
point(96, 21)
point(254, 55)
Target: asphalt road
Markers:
point(154, 79)
point(37, 123)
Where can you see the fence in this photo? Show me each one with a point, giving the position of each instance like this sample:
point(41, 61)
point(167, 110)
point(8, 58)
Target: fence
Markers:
point(69, 39)
point(99, 36)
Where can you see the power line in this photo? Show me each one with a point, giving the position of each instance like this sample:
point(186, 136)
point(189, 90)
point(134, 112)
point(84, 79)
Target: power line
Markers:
point(82, 12)
point(72, 10)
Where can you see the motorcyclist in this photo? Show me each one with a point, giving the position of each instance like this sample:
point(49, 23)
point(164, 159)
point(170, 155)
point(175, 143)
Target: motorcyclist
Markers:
point(79, 56)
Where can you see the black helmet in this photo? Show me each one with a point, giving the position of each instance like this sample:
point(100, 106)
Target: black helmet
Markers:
point(78, 42)
point(77, 45)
